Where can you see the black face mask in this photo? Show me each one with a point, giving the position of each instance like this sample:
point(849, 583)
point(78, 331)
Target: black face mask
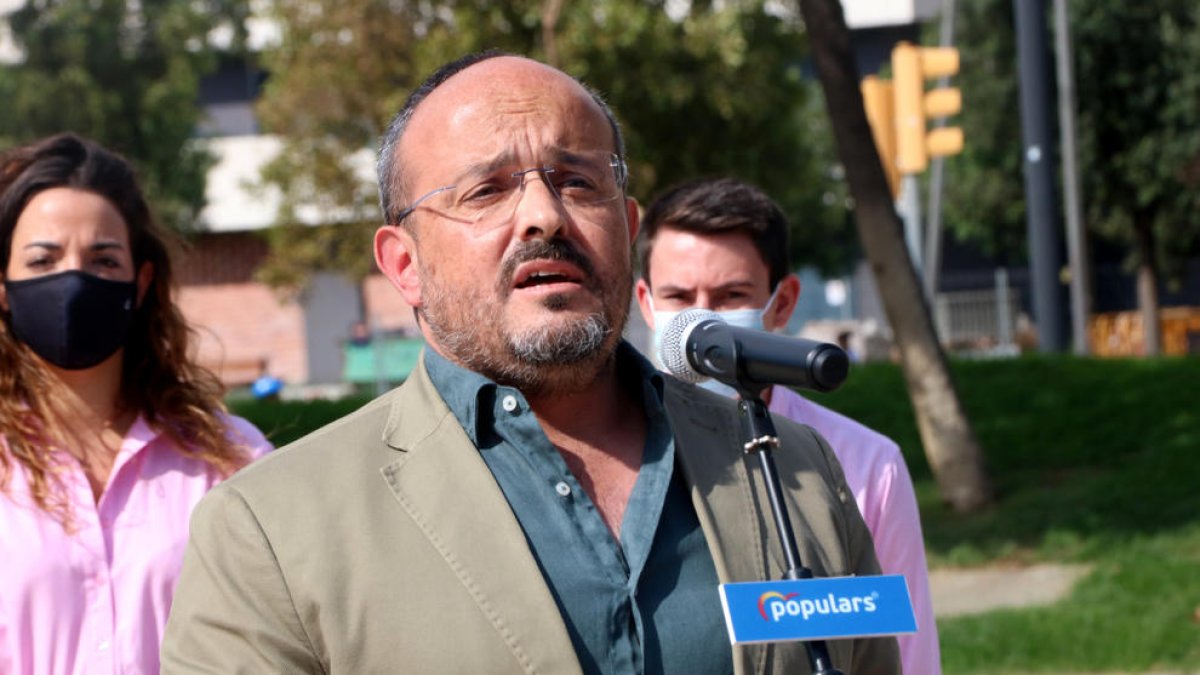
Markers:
point(72, 319)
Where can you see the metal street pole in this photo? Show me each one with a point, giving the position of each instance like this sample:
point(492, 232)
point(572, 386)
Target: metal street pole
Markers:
point(910, 211)
point(1044, 234)
point(1077, 242)
point(933, 235)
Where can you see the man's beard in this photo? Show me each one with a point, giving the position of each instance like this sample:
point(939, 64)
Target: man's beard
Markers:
point(556, 356)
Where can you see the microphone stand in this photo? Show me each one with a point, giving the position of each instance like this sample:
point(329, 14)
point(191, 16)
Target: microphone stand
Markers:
point(759, 436)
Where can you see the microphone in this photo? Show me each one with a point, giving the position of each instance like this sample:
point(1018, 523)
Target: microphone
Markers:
point(698, 344)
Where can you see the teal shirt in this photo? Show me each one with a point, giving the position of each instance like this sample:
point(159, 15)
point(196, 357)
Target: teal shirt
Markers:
point(647, 604)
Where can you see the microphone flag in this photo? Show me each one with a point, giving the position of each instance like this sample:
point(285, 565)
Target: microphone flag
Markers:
point(827, 608)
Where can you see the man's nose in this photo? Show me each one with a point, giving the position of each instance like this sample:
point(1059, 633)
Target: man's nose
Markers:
point(705, 301)
point(538, 211)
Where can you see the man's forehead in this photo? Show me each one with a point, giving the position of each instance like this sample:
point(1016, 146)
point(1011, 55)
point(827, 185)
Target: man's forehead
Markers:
point(705, 260)
point(489, 97)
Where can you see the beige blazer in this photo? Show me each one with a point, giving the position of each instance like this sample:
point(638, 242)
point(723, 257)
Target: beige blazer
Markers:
point(382, 544)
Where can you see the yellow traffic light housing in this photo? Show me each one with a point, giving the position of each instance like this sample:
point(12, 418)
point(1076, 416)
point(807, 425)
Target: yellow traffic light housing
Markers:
point(877, 100)
point(911, 66)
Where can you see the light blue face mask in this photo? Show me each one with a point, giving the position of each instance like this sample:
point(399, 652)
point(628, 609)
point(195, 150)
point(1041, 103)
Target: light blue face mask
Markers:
point(751, 318)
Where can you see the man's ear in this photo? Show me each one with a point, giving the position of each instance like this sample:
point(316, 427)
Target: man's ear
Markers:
point(145, 277)
point(786, 297)
point(396, 256)
point(3, 295)
point(642, 290)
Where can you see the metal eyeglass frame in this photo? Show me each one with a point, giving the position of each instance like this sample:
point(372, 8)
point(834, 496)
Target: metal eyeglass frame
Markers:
point(620, 173)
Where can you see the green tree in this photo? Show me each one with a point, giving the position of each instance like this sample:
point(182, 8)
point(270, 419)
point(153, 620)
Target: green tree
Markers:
point(1138, 100)
point(1139, 128)
point(126, 74)
point(715, 91)
point(338, 73)
point(984, 194)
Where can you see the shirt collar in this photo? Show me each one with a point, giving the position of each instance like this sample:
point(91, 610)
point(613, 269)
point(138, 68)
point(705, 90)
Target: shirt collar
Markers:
point(140, 435)
point(470, 396)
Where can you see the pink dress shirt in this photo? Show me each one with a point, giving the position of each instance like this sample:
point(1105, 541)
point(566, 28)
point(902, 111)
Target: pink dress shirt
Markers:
point(876, 473)
point(96, 600)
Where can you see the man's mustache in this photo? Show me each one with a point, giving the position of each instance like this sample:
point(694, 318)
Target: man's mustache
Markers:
point(546, 249)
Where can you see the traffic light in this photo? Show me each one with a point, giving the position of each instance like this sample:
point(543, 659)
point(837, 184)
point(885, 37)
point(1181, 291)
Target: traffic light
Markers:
point(877, 99)
point(911, 66)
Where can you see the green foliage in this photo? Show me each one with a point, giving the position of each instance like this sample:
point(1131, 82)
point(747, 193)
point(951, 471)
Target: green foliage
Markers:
point(1137, 74)
point(285, 421)
point(123, 73)
point(1139, 71)
point(339, 72)
point(715, 92)
point(984, 194)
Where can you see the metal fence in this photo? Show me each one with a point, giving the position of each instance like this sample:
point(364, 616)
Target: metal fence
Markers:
point(983, 321)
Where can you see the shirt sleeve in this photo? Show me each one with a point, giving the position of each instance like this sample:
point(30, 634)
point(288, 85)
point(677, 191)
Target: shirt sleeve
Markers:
point(900, 546)
point(871, 656)
point(232, 611)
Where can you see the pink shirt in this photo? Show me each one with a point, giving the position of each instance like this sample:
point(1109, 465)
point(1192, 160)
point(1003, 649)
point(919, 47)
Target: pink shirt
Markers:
point(96, 601)
point(876, 472)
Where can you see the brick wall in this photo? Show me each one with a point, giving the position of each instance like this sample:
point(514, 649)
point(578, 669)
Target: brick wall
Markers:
point(240, 323)
point(244, 326)
point(385, 308)
point(220, 258)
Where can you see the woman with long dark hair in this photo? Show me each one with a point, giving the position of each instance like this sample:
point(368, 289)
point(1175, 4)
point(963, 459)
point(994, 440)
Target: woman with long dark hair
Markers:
point(109, 430)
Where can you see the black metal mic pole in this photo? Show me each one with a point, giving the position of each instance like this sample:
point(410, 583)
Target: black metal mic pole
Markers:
point(758, 432)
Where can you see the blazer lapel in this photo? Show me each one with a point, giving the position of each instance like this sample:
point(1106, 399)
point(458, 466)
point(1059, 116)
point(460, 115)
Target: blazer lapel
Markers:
point(709, 450)
point(729, 505)
point(446, 488)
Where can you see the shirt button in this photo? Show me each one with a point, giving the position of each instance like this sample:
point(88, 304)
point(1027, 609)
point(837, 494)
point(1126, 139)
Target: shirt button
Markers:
point(509, 403)
point(103, 646)
point(562, 489)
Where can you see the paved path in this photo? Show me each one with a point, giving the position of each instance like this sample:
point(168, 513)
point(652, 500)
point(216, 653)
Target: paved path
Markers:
point(958, 592)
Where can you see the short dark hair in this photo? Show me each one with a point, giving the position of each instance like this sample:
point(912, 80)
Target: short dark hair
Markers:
point(719, 206)
point(390, 188)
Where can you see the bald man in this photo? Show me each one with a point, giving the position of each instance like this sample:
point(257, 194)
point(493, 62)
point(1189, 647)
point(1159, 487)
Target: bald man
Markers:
point(535, 498)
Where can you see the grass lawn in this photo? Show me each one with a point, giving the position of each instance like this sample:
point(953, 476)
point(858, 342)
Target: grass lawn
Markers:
point(1094, 461)
point(286, 421)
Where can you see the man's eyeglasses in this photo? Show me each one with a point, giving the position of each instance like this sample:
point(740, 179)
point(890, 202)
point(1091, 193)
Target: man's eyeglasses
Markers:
point(580, 181)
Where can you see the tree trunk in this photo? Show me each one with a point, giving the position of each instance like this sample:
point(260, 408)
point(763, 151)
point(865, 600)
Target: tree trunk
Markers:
point(950, 445)
point(1147, 286)
point(551, 9)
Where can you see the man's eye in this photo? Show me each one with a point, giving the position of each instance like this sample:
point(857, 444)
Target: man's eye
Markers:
point(483, 193)
point(576, 182)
